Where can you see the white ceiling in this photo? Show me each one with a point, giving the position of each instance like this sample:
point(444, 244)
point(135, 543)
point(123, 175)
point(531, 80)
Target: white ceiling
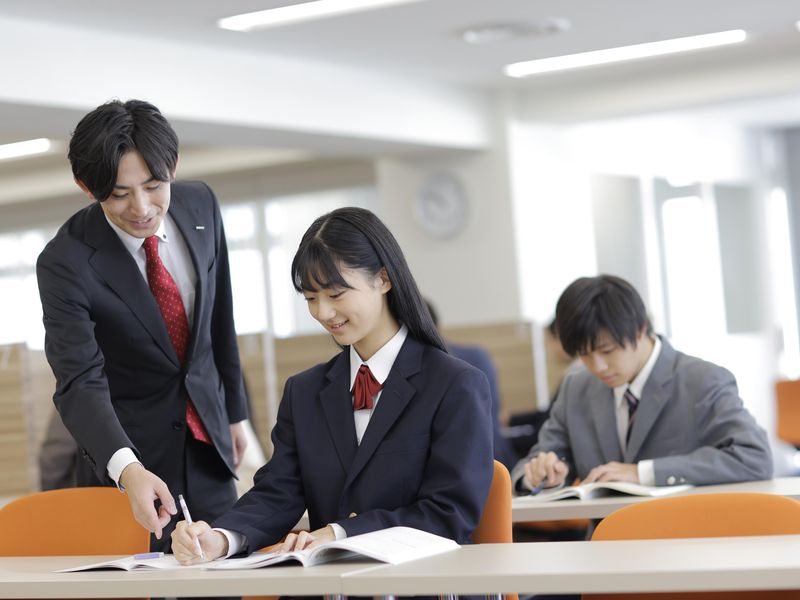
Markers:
point(436, 86)
point(420, 39)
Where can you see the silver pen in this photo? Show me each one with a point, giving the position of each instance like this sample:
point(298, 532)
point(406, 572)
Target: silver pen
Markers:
point(188, 518)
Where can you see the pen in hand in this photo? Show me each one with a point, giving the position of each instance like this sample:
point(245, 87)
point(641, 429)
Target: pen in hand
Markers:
point(188, 518)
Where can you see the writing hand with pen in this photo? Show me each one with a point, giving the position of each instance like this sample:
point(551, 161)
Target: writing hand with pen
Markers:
point(545, 470)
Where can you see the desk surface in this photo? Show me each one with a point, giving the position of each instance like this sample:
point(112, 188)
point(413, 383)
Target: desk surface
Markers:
point(34, 577)
point(568, 567)
point(528, 509)
point(753, 563)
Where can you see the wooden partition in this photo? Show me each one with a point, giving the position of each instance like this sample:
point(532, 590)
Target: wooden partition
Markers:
point(27, 385)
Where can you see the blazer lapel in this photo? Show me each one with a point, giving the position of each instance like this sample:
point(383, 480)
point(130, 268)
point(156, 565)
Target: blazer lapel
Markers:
point(397, 393)
point(604, 418)
point(187, 219)
point(654, 398)
point(112, 261)
point(338, 408)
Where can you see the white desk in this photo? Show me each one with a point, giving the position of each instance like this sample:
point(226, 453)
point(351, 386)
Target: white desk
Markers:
point(33, 577)
point(745, 563)
point(549, 567)
point(528, 509)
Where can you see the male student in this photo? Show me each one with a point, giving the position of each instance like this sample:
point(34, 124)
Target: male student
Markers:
point(639, 410)
point(136, 295)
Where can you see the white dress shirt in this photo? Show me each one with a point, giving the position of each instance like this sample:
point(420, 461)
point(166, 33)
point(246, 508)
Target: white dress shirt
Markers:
point(647, 475)
point(175, 255)
point(380, 364)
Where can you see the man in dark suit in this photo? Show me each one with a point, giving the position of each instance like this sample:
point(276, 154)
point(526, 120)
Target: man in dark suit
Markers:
point(136, 295)
point(639, 410)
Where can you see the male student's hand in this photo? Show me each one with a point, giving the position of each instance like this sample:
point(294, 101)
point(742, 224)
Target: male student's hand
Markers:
point(197, 543)
point(547, 469)
point(143, 489)
point(305, 539)
point(239, 439)
point(613, 471)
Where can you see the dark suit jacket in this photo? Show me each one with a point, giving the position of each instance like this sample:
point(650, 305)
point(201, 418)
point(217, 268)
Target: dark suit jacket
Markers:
point(119, 381)
point(480, 359)
point(690, 422)
point(425, 460)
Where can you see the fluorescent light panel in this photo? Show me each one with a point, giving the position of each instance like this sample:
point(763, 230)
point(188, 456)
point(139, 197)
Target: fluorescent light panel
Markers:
point(305, 11)
point(26, 148)
point(611, 55)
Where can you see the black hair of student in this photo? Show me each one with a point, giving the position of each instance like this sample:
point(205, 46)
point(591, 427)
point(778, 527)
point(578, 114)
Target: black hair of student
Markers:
point(590, 305)
point(113, 129)
point(355, 238)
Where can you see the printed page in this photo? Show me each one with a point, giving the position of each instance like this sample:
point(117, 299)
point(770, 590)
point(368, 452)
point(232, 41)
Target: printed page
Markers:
point(131, 563)
point(395, 545)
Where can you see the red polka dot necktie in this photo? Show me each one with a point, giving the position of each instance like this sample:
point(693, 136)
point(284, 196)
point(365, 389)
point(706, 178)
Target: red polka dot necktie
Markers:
point(365, 388)
point(171, 306)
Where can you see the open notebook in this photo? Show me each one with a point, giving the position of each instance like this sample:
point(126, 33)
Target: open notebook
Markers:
point(606, 488)
point(394, 545)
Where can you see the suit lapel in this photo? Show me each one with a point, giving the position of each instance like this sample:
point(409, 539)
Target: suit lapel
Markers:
point(654, 398)
point(112, 261)
point(337, 405)
point(397, 393)
point(604, 419)
point(187, 219)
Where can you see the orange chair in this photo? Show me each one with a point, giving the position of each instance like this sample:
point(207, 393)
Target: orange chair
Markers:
point(702, 515)
point(787, 396)
point(72, 521)
point(495, 526)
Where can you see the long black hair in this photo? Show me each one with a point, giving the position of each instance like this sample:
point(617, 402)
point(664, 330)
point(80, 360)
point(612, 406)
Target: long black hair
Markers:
point(355, 238)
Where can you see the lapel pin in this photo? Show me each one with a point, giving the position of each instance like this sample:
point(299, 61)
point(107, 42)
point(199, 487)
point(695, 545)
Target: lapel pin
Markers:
point(199, 226)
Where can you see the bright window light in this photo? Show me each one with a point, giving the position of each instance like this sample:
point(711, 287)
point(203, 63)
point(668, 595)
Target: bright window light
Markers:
point(611, 55)
point(304, 11)
point(26, 148)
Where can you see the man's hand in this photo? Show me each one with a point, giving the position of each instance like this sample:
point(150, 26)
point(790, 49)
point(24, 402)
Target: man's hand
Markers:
point(545, 468)
point(197, 543)
point(143, 489)
point(239, 439)
point(613, 471)
point(304, 539)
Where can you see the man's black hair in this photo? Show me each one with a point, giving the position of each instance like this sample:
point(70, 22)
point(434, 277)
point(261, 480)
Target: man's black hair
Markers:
point(591, 305)
point(112, 130)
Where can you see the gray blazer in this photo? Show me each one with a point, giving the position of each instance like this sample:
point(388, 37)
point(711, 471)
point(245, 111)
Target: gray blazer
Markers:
point(690, 422)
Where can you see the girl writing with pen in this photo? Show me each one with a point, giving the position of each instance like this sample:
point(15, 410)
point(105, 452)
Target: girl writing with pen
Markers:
point(391, 431)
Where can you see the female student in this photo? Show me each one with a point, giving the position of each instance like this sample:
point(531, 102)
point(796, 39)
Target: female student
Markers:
point(391, 431)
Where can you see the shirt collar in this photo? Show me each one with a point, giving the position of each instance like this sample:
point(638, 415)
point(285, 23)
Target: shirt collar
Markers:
point(638, 383)
point(133, 244)
point(381, 362)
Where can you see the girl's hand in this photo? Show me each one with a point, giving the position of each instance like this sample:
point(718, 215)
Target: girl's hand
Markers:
point(197, 543)
point(304, 539)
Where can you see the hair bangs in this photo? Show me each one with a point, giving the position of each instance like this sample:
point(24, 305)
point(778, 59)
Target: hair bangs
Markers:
point(315, 268)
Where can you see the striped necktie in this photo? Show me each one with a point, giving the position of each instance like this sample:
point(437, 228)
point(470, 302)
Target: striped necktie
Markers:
point(633, 404)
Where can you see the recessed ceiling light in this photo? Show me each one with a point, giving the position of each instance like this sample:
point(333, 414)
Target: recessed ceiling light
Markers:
point(797, 24)
point(26, 148)
point(610, 55)
point(490, 33)
point(294, 13)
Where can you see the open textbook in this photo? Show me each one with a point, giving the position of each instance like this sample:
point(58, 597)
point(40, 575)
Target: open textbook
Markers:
point(149, 561)
point(394, 545)
point(606, 488)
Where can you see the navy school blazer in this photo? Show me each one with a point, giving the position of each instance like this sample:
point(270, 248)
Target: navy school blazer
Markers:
point(425, 460)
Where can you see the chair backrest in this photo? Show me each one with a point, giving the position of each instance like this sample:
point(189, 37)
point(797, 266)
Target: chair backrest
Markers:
point(787, 396)
point(702, 515)
point(495, 523)
point(71, 521)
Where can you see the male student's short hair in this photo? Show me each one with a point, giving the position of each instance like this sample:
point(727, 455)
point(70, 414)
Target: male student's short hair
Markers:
point(591, 305)
point(113, 129)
